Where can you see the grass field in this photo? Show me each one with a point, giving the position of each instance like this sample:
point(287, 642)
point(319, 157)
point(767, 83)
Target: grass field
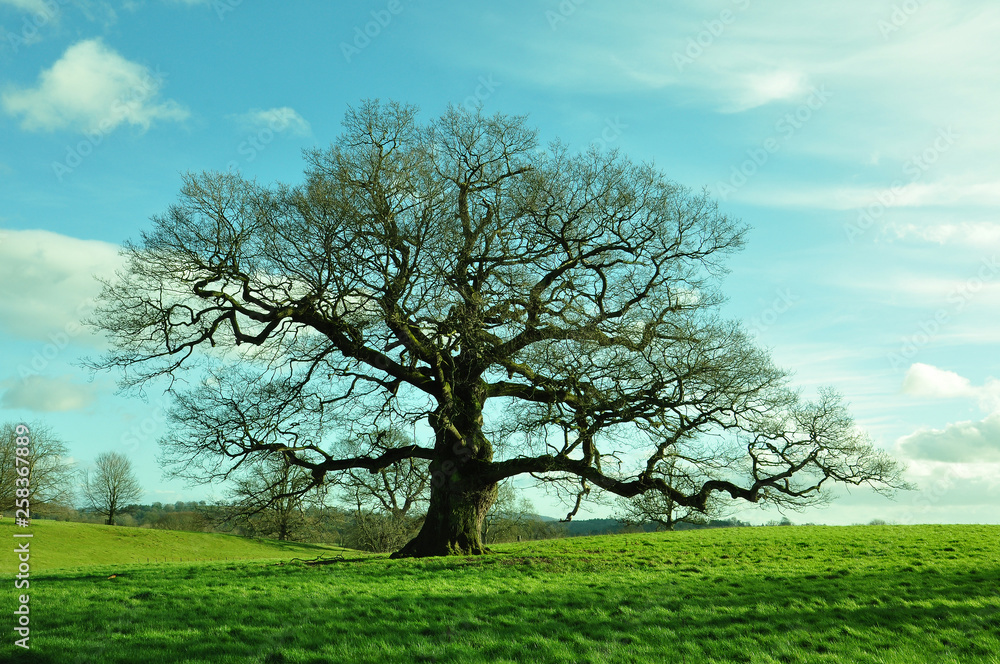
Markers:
point(878, 594)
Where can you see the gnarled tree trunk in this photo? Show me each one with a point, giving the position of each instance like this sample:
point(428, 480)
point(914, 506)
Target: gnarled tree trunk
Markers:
point(460, 498)
point(454, 521)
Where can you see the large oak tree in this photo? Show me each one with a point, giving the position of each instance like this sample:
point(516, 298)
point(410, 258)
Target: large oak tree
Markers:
point(542, 311)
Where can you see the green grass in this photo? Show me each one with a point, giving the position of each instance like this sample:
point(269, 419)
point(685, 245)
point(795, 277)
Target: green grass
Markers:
point(58, 544)
point(869, 594)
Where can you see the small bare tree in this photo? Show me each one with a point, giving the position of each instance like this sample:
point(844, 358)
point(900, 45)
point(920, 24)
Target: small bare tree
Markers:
point(384, 501)
point(51, 475)
point(272, 499)
point(111, 486)
point(395, 489)
point(509, 517)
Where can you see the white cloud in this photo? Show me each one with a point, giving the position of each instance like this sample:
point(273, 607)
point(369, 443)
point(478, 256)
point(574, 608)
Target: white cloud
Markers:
point(961, 442)
point(924, 380)
point(275, 119)
point(92, 88)
point(46, 394)
point(952, 476)
point(49, 283)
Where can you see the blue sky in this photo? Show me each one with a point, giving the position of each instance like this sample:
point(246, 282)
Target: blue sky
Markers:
point(858, 139)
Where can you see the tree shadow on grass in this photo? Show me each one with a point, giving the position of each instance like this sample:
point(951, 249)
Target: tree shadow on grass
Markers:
point(29, 656)
point(435, 612)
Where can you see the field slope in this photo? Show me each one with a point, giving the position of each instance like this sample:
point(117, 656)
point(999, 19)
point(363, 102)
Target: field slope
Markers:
point(869, 594)
point(56, 544)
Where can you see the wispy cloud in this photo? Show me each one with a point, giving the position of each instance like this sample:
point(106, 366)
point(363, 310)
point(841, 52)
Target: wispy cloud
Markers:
point(283, 119)
point(728, 56)
point(47, 394)
point(981, 235)
point(947, 192)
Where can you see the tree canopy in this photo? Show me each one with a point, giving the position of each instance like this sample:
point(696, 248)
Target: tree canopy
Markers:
point(544, 312)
